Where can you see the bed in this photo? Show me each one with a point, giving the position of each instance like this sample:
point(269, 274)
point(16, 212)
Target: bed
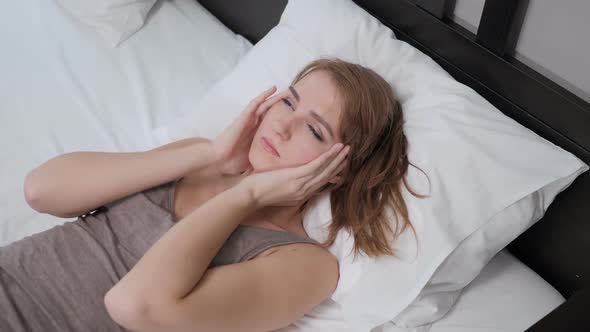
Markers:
point(63, 103)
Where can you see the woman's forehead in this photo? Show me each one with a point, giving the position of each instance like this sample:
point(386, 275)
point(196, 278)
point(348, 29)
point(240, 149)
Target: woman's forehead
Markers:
point(317, 89)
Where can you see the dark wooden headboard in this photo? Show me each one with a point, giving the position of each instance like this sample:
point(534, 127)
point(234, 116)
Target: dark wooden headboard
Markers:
point(557, 245)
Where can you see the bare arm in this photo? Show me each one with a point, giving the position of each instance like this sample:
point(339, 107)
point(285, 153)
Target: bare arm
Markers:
point(74, 183)
point(256, 295)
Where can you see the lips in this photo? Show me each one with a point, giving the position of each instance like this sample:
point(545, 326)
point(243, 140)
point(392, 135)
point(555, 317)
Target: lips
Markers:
point(267, 144)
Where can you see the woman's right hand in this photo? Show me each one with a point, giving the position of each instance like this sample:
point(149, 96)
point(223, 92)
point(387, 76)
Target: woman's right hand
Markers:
point(233, 144)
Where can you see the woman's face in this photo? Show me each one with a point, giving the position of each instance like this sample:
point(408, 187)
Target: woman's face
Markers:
point(302, 124)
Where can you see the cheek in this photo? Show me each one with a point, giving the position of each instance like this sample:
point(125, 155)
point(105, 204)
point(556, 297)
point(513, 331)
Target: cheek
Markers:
point(263, 125)
point(306, 154)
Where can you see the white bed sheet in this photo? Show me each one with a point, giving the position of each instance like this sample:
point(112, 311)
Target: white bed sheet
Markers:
point(506, 296)
point(64, 89)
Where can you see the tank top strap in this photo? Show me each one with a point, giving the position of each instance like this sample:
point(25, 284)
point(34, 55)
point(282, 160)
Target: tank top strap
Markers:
point(247, 241)
point(272, 242)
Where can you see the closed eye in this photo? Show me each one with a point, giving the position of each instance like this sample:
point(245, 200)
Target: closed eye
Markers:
point(315, 133)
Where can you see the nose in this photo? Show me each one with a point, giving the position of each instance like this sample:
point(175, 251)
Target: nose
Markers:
point(284, 125)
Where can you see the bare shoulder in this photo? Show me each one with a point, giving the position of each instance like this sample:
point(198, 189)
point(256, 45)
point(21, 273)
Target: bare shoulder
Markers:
point(309, 263)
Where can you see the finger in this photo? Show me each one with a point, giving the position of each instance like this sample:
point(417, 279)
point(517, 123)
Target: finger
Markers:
point(337, 177)
point(332, 165)
point(313, 167)
point(252, 111)
point(342, 166)
point(330, 170)
point(264, 106)
point(255, 103)
point(338, 171)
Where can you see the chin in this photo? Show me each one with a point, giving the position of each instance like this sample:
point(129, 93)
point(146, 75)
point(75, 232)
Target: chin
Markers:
point(259, 163)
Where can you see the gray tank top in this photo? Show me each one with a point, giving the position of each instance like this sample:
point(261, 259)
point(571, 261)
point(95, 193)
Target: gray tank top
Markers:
point(56, 280)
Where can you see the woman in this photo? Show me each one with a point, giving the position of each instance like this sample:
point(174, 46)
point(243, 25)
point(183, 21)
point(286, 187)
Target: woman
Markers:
point(213, 241)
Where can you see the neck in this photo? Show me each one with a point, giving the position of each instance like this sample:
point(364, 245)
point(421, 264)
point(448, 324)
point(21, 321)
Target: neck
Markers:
point(285, 217)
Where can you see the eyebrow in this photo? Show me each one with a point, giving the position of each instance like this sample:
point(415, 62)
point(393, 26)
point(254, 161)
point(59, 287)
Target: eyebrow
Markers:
point(313, 113)
point(294, 93)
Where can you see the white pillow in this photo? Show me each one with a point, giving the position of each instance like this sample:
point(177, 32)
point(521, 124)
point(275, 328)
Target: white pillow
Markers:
point(480, 162)
point(472, 255)
point(505, 296)
point(114, 20)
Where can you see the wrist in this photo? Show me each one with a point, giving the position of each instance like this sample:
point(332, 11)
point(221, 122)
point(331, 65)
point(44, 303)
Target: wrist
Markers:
point(218, 157)
point(206, 151)
point(246, 195)
point(218, 160)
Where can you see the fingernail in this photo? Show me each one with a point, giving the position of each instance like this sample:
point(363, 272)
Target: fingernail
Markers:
point(338, 146)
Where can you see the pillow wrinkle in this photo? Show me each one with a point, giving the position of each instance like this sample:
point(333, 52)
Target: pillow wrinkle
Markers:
point(114, 20)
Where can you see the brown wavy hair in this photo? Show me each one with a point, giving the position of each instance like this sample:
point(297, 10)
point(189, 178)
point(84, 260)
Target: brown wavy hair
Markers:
point(372, 124)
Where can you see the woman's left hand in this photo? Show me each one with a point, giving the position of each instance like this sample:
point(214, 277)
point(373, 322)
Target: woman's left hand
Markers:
point(291, 186)
point(233, 144)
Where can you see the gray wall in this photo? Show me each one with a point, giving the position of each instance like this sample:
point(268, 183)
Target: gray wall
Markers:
point(554, 39)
